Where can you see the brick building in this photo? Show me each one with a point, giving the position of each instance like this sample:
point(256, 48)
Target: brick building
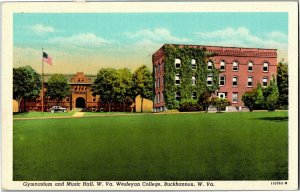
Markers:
point(241, 69)
point(80, 97)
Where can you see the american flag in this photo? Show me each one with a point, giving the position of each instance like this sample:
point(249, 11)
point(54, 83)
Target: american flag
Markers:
point(47, 58)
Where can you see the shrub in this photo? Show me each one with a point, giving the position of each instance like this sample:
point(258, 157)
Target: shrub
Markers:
point(189, 105)
point(220, 103)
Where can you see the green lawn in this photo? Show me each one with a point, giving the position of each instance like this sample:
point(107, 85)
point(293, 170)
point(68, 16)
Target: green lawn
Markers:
point(40, 114)
point(197, 146)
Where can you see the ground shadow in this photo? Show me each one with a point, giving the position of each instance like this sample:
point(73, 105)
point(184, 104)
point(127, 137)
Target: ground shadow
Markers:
point(276, 119)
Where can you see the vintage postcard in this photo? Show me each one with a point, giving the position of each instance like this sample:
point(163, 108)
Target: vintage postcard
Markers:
point(149, 96)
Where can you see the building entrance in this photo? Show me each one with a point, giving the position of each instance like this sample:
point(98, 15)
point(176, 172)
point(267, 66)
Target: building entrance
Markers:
point(80, 102)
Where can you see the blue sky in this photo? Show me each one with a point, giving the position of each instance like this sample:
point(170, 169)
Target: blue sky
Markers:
point(86, 42)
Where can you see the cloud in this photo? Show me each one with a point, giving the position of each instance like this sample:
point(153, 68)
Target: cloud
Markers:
point(242, 37)
point(147, 40)
point(81, 40)
point(158, 34)
point(42, 29)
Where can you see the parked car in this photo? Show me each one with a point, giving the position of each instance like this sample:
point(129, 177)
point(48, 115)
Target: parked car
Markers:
point(56, 109)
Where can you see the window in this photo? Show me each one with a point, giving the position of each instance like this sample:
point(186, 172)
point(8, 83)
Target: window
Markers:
point(234, 97)
point(193, 80)
point(194, 95)
point(67, 99)
point(266, 67)
point(222, 80)
point(158, 68)
point(222, 95)
point(177, 96)
point(209, 80)
point(249, 81)
point(265, 81)
point(222, 65)
point(177, 79)
point(177, 63)
point(250, 66)
point(158, 82)
point(193, 62)
point(162, 97)
point(234, 81)
point(235, 66)
point(94, 99)
point(209, 65)
point(158, 97)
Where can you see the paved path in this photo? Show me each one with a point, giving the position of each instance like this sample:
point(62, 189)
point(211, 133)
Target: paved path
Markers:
point(78, 114)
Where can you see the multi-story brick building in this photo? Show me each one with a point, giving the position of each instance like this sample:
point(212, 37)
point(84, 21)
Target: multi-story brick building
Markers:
point(241, 69)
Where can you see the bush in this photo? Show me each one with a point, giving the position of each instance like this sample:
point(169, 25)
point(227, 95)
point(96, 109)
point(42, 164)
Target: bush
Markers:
point(220, 103)
point(189, 105)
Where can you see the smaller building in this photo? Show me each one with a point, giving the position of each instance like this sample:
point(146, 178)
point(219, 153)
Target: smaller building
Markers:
point(81, 96)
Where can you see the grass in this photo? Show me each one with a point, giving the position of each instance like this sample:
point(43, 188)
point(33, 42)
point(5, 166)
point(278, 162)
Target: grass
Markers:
point(197, 146)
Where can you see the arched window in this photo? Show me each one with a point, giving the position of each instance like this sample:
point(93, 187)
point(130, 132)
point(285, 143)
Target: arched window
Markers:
point(235, 66)
point(266, 67)
point(222, 65)
point(193, 63)
point(177, 63)
point(250, 66)
point(209, 65)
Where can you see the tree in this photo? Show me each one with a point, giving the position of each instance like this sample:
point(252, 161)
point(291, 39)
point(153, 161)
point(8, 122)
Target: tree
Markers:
point(26, 84)
point(271, 95)
point(249, 99)
point(259, 97)
point(125, 82)
point(57, 87)
point(283, 84)
point(143, 84)
point(107, 85)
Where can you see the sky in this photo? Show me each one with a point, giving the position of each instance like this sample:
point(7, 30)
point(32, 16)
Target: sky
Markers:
point(87, 42)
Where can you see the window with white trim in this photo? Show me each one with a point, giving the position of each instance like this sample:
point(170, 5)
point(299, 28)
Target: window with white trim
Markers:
point(177, 96)
point(222, 80)
point(209, 65)
point(193, 80)
point(250, 81)
point(194, 95)
point(222, 65)
point(209, 80)
point(266, 67)
point(177, 79)
point(193, 63)
point(265, 81)
point(235, 81)
point(158, 97)
point(235, 66)
point(250, 66)
point(234, 97)
point(177, 63)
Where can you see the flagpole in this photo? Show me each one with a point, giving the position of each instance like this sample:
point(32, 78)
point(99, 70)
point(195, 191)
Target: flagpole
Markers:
point(42, 82)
